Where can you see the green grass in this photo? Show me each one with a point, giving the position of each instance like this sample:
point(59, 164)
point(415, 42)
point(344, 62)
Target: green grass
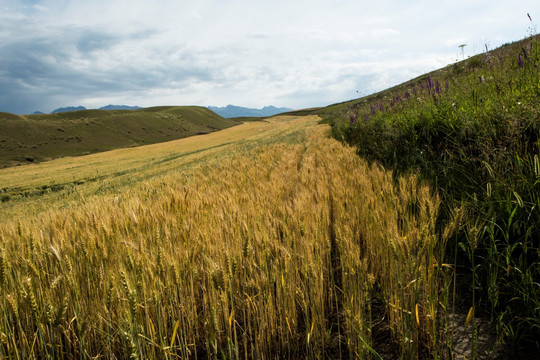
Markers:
point(472, 130)
point(35, 138)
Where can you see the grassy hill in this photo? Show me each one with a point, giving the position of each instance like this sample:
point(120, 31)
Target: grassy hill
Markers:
point(471, 130)
point(35, 138)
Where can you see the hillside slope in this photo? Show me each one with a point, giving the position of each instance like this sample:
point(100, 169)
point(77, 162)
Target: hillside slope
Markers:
point(472, 130)
point(34, 138)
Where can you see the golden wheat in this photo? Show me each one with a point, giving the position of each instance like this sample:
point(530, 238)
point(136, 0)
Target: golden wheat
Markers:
point(270, 250)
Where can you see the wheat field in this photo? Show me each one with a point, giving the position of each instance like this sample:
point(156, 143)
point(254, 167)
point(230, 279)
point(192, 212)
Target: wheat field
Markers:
point(261, 241)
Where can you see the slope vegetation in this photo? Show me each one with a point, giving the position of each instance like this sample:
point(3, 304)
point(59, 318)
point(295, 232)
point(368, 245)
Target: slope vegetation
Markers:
point(472, 130)
point(34, 138)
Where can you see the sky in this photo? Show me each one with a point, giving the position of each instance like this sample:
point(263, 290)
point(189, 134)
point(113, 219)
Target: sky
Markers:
point(253, 53)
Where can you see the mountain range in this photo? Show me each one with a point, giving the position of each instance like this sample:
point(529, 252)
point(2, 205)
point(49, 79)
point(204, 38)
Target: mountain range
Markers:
point(107, 107)
point(231, 111)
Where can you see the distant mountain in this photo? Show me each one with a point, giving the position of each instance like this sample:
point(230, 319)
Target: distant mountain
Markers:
point(231, 111)
point(119, 107)
point(37, 113)
point(107, 107)
point(67, 109)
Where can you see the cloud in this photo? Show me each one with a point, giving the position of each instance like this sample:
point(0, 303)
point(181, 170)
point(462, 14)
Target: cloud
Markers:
point(78, 63)
point(212, 52)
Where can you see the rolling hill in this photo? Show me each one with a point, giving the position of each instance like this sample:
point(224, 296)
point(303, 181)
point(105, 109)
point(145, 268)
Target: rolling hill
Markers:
point(35, 138)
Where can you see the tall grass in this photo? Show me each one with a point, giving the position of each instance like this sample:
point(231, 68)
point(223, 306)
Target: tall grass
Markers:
point(270, 252)
point(473, 131)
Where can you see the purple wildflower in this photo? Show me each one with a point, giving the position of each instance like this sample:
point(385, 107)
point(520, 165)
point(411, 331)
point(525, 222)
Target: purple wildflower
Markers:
point(520, 61)
point(352, 119)
point(429, 84)
point(366, 117)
